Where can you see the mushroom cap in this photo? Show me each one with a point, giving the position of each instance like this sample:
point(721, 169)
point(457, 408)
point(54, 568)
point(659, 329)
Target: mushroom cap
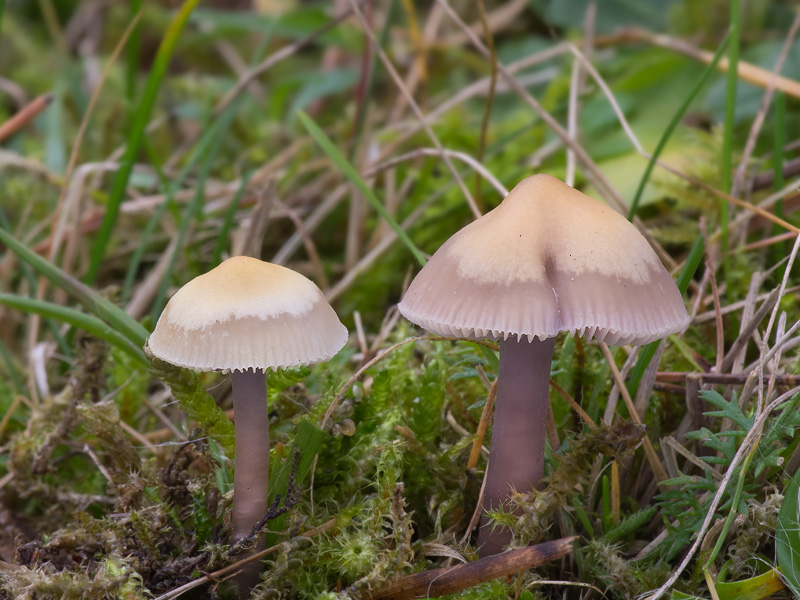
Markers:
point(547, 259)
point(247, 314)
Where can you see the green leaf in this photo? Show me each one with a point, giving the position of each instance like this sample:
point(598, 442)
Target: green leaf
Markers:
point(315, 87)
point(203, 523)
point(136, 136)
point(755, 588)
point(730, 409)
point(88, 323)
point(787, 537)
point(308, 442)
point(629, 525)
point(676, 118)
point(91, 300)
point(676, 595)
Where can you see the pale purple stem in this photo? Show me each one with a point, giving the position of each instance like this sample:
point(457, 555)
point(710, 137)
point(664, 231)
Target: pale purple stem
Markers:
point(251, 463)
point(516, 459)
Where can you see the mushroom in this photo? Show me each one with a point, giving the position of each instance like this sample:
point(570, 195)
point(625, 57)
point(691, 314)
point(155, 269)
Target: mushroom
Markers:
point(243, 317)
point(547, 259)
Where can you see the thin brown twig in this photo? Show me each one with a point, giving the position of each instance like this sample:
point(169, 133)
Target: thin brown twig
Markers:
point(25, 115)
point(35, 320)
point(720, 333)
point(746, 71)
point(483, 424)
point(171, 595)
point(447, 580)
point(757, 209)
point(279, 56)
point(475, 164)
point(758, 121)
point(487, 109)
point(592, 171)
point(659, 472)
point(387, 63)
point(575, 406)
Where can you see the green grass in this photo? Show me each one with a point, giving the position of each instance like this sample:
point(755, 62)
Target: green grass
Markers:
point(136, 136)
point(103, 445)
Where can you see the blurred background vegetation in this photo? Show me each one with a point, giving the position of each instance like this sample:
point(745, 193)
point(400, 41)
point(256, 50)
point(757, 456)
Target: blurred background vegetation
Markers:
point(166, 136)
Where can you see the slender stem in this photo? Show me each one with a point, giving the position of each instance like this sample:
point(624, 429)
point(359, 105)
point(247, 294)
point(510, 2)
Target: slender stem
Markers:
point(732, 80)
point(251, 463)
point(517, 454)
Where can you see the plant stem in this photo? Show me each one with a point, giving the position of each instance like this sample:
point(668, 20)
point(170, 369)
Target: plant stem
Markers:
point(732, 79)
point(779, 137)
point(517, 454)
point(676, 119)
point(251, 463)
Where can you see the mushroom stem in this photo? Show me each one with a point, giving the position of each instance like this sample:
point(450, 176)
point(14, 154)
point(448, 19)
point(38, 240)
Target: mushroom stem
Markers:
point(251, 462)
point(516, 458)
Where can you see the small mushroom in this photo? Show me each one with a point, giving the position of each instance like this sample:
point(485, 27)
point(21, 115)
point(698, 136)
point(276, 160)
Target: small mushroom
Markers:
point(547, 259)
point(246, 316)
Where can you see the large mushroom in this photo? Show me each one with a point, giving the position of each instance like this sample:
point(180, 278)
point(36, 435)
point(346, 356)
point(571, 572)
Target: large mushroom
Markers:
point(246, 316)
point(547, 259)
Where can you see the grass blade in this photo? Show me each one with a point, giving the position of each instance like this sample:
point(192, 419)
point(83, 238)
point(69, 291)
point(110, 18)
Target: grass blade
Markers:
point(727, 139)
point(194, 208)
point(349, 171)
point(91, 300)
point(676, 118)
point(12, 369)
point(787, 536)
point(73, 317)
point(779, 139)
point(172, 188)
point(227, 224)
point(132, 58)
point(307, 442)
point(136, 136)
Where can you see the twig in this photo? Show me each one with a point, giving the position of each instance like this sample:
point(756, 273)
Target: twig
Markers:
point(659, 472)
point(462, 156)
point(238, 564)
point(272, 60)
point(757, 209)
point(746, 71)
point(755, 128)
point(580, 153)
point(720, 331)
point(415, 107)
point(87, 449)
point(25, 116)
point(439, 582)
point(487, 109)
point(575, 406)
point(744, 449)
point(483, 424)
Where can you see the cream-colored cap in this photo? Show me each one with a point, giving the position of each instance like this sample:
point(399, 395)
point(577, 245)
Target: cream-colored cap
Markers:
point(244, 314)
point(547, 259)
